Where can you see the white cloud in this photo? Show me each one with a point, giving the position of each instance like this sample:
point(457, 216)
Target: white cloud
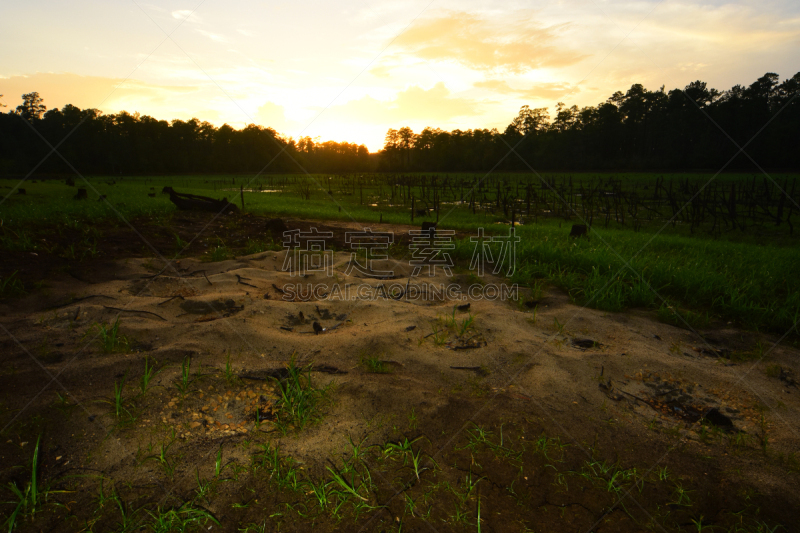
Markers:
point(186, 14)
point(212, 36)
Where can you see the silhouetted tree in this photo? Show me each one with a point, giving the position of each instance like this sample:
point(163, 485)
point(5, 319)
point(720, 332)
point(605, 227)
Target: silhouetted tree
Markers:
point(690, 128)
point(131, 143)
point(32, 106)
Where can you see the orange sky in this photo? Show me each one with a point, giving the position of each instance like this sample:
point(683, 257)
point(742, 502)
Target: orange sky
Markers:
point(351, 70)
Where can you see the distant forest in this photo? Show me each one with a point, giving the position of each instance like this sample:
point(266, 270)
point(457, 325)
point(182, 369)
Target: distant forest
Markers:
point(637, 130)
point(690, 129)
point(129, 144)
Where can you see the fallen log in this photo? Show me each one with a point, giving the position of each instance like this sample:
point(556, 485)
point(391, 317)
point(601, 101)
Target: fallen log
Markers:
point(192, 202)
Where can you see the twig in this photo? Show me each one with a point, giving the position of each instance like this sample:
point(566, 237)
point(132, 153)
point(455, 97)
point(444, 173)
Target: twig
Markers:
point(337, 325)
point(434, 333)
point(134, 311)
point(81, 299)
point(170, 299)
point(633, 396)
point(204, 275)
point(278, 289)
point(239, 280)
point(159, 272)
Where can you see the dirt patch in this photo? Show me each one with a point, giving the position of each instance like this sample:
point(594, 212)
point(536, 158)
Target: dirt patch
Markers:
point(548, 417)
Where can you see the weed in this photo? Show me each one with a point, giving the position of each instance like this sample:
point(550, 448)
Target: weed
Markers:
point(230, 375)
point(412, 419)
point(179, 519)
point(110, 338)
point(299, 402)
point(544, 444)
point(479, 514)
point(320, 492)
point(466, 324)
point(255, 528)
point(91, 250)
point(773, 370)
point(180, 245)
point(699, 525)
point(185, 380)
point(205, 489)
point(121, 413)
point(219, 253)
point(63, 403)
point(11, 285)
point(167, 464)
point(257, 246)
point(374, 364)
point(416, 462)
point(680, 496)
point(149, 373)
point(449, 321)
point(391, 450)
point(439, 335)
point(683, 318)
point(344, 485)
point(29, 499)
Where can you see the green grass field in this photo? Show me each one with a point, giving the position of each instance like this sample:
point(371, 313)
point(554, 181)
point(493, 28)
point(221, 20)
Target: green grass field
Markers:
point(745, 277)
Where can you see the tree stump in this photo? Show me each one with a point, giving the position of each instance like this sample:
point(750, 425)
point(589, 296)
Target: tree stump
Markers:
point(192, 202)
point(579, 230)
point(429, 228)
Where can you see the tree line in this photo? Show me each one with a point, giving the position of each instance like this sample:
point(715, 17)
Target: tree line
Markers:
point(125, 143)
point(682, 129)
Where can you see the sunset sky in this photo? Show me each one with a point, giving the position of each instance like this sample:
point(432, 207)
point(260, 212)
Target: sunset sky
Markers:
point(351, 70)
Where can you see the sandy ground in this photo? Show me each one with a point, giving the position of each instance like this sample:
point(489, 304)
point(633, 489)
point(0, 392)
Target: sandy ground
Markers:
point(622, 376)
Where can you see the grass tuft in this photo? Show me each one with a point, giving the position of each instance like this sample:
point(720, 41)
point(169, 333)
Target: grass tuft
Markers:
point(299, 402)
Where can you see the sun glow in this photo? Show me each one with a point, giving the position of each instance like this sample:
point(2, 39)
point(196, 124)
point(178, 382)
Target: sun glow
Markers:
point(352, 72)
